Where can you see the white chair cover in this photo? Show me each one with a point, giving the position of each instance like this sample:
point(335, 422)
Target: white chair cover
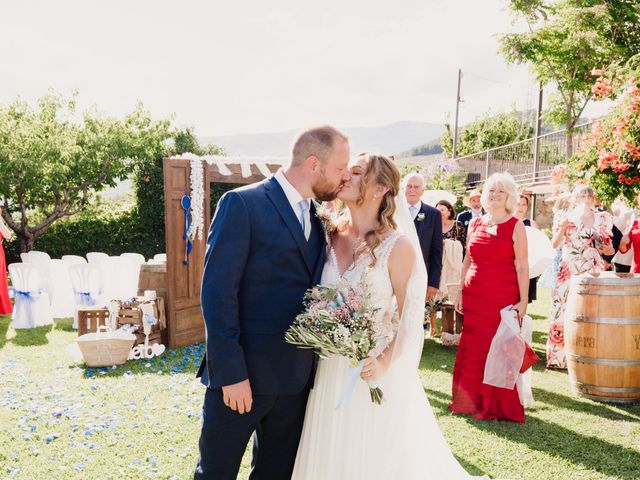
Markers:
point(27, 258)
point(131, 268)
point(451, 265)
point(43, 262)
point(87, 284)
point(160, 257)
point(62, 299)
point(74, 259)
point(101, 260)
point(115, 271)
point(96, 258)
point(32, 307)
point(134, 257)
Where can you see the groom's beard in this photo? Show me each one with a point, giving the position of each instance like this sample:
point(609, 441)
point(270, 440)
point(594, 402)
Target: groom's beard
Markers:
point(323, 191)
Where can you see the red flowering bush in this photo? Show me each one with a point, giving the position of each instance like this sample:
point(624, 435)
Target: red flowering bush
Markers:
point(610, 155)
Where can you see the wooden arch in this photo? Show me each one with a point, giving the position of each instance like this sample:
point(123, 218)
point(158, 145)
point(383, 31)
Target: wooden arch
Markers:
point(185, 324)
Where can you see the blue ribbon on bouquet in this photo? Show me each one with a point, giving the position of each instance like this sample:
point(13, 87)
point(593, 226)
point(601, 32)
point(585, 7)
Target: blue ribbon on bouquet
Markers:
point(353, 375)
point(26, 298)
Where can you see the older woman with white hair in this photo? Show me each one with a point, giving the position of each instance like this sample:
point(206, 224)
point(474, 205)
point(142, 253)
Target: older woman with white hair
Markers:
point(584, 234)
point(495, 274)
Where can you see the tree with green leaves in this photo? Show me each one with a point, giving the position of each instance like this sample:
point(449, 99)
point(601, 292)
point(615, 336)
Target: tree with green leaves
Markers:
point(567, 42)
point(51, 164)
point(488, 131)
point(148, 181)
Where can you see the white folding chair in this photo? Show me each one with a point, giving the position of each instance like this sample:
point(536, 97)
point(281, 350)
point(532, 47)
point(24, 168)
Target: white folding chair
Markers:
point(160, 257)
point(32, 308)
point(86, 281)
point(74, 259)
point(62, 299)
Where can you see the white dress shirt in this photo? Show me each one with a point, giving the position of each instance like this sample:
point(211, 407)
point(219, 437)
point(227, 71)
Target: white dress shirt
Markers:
point(414, 209)
point(294, 198)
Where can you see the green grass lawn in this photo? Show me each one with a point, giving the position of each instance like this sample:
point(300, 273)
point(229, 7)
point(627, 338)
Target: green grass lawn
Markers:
point(61, 420)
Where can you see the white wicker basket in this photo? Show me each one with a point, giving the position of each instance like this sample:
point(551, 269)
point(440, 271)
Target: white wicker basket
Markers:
point(105, 348)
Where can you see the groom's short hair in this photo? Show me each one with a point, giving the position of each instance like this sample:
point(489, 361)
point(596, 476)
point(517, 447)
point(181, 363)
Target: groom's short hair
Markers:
point(318, 141)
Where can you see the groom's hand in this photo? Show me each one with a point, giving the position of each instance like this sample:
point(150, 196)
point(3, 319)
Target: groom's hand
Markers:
point(238, 396)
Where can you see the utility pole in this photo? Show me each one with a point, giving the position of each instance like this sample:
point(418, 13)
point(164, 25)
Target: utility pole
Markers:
point(536, 148)
point(455, 127)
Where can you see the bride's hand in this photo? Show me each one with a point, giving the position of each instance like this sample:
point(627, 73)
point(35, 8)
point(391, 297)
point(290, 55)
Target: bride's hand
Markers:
point(374, 368)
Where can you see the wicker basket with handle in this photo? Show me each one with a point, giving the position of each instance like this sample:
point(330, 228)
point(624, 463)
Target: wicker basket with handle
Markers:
point(105, 347)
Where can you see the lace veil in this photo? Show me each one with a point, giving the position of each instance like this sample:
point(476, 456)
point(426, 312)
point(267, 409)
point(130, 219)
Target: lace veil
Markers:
point(410, 335)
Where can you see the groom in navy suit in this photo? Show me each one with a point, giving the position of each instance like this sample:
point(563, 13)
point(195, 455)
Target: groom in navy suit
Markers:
point(265, 248)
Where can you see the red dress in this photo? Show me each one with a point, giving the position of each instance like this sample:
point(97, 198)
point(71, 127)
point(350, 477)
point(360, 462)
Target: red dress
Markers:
point(490, 285)
point(5, 301)
point(634, 236)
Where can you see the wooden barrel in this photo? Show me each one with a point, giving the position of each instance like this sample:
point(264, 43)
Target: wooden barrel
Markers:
point(153, 277)
point(602, 337)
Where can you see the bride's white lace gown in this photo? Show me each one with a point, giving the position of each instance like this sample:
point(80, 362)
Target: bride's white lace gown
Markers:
point(399, 439)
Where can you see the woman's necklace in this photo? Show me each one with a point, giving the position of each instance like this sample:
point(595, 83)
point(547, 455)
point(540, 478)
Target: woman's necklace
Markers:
point(492, 223)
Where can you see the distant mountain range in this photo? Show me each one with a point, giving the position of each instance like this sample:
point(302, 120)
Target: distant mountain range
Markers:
point(389, 139)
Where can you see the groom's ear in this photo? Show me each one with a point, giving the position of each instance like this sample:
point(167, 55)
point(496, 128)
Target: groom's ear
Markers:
point(313, 163)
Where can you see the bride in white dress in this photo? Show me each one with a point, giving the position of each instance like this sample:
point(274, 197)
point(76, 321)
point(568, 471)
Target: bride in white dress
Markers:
point(399, 439)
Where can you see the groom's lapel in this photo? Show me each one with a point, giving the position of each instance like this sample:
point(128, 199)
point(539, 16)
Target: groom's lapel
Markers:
point(279, 200)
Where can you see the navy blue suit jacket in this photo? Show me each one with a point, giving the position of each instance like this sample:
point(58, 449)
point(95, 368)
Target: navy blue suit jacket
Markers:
point(428, 224)
point(258, 266)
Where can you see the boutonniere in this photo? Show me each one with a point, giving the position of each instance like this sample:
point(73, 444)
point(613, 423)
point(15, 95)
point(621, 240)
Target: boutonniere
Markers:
point(329, 219)
point(492, 229)
point(420, 217)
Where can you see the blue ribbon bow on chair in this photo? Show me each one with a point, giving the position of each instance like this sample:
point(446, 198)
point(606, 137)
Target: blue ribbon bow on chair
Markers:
point(24, 299)
point(86, 298)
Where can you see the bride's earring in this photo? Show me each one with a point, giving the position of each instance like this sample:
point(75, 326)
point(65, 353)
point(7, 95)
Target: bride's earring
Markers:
point(375, 197)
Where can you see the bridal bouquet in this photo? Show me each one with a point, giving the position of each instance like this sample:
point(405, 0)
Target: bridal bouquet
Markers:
point(338, 321)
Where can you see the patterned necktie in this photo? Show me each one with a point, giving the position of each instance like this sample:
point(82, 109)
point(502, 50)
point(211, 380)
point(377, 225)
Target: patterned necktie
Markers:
point(305, 220)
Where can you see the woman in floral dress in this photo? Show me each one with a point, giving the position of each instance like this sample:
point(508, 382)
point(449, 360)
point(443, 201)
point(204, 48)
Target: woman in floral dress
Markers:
point(584, 235)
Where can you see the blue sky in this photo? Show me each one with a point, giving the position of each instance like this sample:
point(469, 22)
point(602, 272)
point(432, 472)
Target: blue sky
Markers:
point(259, 66)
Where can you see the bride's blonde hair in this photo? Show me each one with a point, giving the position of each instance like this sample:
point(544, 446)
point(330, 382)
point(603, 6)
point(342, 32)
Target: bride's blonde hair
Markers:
point(383, 171)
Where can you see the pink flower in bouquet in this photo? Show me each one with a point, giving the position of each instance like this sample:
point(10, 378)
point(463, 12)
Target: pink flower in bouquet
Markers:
point(556, 334)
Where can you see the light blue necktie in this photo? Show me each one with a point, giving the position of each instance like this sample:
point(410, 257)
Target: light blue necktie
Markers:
point(304, 208)
point(413, 210)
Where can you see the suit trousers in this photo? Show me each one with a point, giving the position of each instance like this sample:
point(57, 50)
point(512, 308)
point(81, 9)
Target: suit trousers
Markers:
point(276, 422)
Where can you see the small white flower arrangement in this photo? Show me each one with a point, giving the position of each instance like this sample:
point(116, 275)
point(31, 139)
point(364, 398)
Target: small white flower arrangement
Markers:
point(492, 229)
point(420, 217)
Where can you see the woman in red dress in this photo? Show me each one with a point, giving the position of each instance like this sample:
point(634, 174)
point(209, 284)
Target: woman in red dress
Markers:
point(5, 301)
point(495, 274)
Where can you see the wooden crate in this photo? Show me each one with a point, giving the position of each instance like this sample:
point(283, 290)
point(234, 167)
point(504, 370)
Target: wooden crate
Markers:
point(132, 314)
point(451, 320)
point(90, 319)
